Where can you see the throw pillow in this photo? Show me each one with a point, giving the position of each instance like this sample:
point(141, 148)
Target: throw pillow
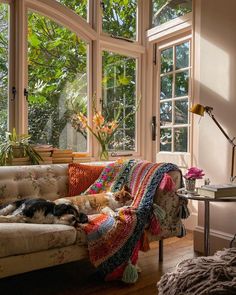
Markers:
point(81, 177)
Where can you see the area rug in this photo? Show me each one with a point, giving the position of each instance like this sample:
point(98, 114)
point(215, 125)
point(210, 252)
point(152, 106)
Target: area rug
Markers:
point(201, 276)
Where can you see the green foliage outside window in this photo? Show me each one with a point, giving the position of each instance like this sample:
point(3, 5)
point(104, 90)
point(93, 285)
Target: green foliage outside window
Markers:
point(119, 18)
point(3, 69)
point(78, 6)
point(57, 70)
point(166, 10)
point(119, 92)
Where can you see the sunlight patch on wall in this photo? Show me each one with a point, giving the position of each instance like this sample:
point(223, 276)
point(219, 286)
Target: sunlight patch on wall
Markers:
point(215, 72)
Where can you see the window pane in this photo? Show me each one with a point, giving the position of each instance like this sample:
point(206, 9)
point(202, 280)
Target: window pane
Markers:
point(57, 72)
point(3, 69)
point(182, 55)
point(165, 140)
point(165, 10)
point(180, 139)
point(181, 111)
point(181, 83)
point(124, 140)
point(78, 6)
point(119, 92)
point(167, 60)
point(119, 18)
point(166, 87)
point(165, 113)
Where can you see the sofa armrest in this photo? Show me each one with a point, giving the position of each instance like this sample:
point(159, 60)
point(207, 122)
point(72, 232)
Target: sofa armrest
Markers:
point(169, 201)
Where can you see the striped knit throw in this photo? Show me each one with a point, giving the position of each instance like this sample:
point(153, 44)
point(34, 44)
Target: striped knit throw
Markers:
point(114, 242)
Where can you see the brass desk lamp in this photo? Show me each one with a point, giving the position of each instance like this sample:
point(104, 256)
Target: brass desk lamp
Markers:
point(199, 109)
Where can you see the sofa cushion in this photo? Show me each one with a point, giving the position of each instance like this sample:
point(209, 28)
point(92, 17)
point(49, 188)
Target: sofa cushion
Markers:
point(21, 238)
point(36, 181)
point(81, 177)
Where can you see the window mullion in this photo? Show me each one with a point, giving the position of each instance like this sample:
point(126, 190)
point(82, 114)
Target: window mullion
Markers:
point(173, 101)
point(21, 117)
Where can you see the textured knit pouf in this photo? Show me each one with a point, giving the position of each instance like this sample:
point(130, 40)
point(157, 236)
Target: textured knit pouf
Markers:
point(201, 276)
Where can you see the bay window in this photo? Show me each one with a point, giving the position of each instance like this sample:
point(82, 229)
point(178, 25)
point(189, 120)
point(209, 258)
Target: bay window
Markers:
point(59, 60)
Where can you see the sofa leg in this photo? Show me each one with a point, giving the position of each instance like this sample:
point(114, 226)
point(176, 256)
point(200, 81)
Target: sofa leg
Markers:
point(160, 250)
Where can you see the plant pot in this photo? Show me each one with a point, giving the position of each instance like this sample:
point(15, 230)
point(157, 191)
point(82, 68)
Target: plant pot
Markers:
point(190, 185)
point(18, 152)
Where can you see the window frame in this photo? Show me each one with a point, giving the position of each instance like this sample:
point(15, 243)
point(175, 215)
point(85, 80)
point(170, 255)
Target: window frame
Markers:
point(172, 126)
point(166, 34)
point(11, 67)
point(137, 40)
point(89, 32)
point(137, 56)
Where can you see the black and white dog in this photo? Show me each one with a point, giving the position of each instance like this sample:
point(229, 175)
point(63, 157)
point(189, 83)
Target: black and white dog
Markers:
point(41, 211)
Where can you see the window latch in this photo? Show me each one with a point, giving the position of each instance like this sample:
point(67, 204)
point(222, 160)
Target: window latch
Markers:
point(26, 94)
point(13, 91)
point(154, 125)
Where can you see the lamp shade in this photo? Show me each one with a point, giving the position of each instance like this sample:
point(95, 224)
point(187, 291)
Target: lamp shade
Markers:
point(197, 109)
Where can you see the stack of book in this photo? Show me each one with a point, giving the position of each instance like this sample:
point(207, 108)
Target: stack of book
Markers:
point(81, 158)
point(45, 152)
point(62, 156)
point(217, 190)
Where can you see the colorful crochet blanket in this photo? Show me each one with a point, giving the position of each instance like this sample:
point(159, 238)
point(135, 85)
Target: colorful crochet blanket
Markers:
point(114, 242)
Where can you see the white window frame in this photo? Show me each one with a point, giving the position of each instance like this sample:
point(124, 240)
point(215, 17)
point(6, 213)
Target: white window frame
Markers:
point(173, 154)
point(174, 31)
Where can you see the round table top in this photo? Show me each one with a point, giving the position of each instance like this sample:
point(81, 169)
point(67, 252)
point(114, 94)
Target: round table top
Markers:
point(197, 197)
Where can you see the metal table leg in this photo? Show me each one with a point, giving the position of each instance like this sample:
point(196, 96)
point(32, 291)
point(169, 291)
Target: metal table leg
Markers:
point(161, 250)
point(206, 228)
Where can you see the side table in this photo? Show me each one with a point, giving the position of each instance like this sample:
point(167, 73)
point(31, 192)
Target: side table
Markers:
point(206, 200)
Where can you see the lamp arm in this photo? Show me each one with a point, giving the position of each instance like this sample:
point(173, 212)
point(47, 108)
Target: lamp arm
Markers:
point(231, 141)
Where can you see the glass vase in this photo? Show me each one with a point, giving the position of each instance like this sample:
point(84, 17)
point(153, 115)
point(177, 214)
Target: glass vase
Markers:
point(190, 185)
point(103, 153)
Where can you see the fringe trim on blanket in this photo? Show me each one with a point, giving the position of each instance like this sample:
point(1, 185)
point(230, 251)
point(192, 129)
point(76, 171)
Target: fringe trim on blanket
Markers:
point(182, 231)
point(183, 208)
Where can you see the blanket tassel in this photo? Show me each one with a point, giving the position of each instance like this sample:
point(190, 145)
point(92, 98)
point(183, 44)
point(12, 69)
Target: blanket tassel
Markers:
point(184, 211)
point(130, 274)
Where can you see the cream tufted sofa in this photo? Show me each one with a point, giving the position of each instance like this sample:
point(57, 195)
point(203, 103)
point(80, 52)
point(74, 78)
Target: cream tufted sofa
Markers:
point(26, 247)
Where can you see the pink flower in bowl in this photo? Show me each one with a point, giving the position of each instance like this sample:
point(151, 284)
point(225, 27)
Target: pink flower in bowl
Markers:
point(194, 173)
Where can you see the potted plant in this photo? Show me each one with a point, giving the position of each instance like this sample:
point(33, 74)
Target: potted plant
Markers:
point(17, 146)
point(192, 174)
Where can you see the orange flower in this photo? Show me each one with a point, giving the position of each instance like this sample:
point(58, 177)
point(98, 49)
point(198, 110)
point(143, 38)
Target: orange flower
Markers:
point(114, 125)
point(98, 119)
point(83, 120)
point(104, 129)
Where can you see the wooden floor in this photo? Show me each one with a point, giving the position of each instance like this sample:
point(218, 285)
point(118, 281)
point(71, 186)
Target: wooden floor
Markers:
point(78, 278)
